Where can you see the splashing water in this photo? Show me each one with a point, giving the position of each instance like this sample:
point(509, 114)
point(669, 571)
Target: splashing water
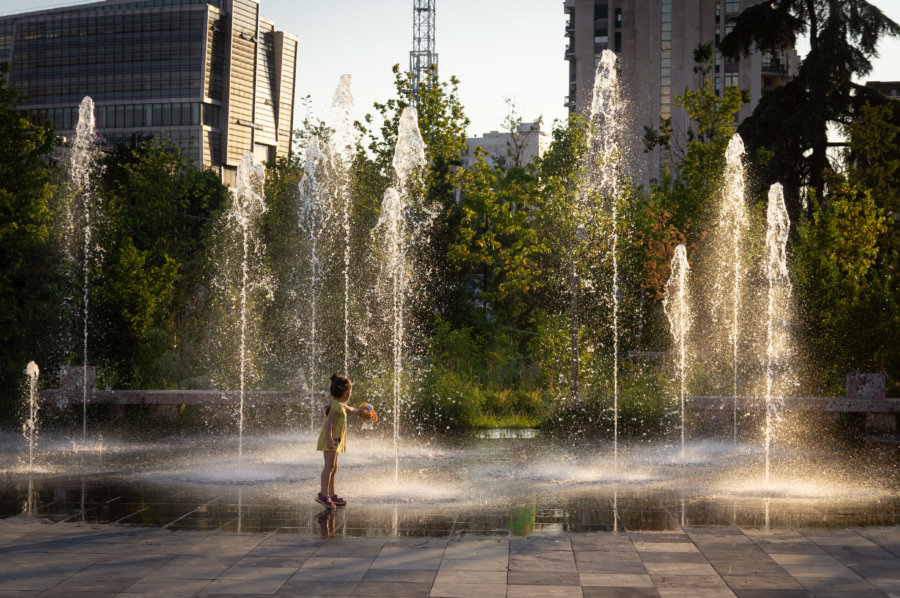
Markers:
point(605, 156)
point(343, 141)
point(312, 218)
point(779, 293)
point(391, 223)
point(409, 152)
point(247, 205)
point(677, 308)
point(733, 221)
point(81, 167)
point(29, 427)
point(399, 230)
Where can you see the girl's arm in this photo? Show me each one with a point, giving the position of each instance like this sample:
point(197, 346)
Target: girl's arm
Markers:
point(329, 424)
point(353, 410)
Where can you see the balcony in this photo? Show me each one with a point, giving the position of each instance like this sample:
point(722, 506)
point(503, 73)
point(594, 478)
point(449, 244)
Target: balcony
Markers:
point(570, 52)
point(770, 67)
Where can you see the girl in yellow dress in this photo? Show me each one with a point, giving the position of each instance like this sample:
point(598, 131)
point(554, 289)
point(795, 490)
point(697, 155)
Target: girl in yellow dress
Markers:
point(333, 438)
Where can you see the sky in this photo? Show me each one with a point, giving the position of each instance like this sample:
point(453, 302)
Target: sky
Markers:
point(498, 49)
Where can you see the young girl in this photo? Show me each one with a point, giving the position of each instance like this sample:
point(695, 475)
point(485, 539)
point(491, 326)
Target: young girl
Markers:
point(333, 439)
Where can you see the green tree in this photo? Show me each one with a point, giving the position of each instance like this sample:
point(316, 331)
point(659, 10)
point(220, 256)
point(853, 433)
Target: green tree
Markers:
point(31, 289)
point(680, 207)
point(158, 210)
point(787, 134)
point(848, 309)
point(442, 123)
point(692, 177)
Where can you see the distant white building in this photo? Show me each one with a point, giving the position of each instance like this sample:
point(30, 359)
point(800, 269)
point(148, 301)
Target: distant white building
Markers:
point(509, 149)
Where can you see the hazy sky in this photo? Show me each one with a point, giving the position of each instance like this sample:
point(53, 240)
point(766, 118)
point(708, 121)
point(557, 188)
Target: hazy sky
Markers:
point(496, 48)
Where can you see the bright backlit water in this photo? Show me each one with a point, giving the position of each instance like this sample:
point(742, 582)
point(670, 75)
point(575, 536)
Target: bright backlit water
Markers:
point(471, 485)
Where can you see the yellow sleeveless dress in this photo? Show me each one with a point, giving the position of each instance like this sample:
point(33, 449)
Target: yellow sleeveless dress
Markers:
point(338, 429)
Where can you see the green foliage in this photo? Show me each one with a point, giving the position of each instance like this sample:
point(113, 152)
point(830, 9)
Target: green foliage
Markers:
point(791, 122)
point(448, 402)
point(157, 213)
point(31, 289)
point(849, 322)
point(683, 195)
point(518, 268)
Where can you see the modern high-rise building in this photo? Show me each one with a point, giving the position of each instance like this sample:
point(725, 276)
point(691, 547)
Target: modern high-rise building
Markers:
point(655, 41)
point(210, 76)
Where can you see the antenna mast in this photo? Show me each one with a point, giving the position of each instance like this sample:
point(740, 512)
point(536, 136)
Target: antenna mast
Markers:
point(423, 55)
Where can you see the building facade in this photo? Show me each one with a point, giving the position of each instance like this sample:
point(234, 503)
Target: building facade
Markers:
point(212, 77)
point(506, 148)
point(655, 41)
point(889, 89)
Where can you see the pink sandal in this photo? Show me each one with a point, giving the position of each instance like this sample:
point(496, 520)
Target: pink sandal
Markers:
point(324, 501)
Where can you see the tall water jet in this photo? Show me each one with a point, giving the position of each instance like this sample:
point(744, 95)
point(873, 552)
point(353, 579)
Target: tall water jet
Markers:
point(312, 222)
point(81, 168)
point(733, 222)
point(248, 204)
point(605, 157)
point(778, 311)
point(29, 426)
point(342, 141)
point(400, 227)
point(677, 308)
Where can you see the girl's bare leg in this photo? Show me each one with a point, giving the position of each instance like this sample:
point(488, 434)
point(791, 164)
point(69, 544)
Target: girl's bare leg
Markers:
point(328, 472)
point(331, 477)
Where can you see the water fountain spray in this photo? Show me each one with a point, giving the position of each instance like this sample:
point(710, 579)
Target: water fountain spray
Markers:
point(29, 427)
point(605, 155)
point(248, 204)
point(779, 292)
point(312, 221)
point(733, 221)
point(81, 167)
point(677, 308)
point(399, 230)
point(342, 142)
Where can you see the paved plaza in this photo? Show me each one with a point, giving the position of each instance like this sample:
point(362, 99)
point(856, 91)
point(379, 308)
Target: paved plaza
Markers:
point(70, 560)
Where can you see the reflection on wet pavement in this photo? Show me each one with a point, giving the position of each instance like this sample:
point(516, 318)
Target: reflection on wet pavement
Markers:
point(472, 486)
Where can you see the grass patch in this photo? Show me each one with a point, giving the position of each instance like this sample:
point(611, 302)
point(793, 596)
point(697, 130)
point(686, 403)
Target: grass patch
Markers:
point(507, 420)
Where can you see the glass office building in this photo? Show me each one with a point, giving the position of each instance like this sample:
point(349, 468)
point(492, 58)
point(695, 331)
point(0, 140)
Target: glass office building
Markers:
point(210, 76)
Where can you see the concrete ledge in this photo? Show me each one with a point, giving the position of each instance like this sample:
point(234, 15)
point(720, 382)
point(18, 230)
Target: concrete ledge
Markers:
point(834, 404)
point(177, 397)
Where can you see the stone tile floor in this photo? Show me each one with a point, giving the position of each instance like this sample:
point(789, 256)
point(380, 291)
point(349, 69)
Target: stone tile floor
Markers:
point(71, 560)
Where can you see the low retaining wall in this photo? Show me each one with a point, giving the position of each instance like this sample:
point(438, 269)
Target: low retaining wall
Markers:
point(64, 398)
point(874, 415)
point(837, 404)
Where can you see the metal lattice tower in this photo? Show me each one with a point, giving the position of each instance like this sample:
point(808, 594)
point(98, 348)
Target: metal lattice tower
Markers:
point(422, 56)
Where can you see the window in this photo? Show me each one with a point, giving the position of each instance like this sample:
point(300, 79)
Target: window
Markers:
point(665, 59)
